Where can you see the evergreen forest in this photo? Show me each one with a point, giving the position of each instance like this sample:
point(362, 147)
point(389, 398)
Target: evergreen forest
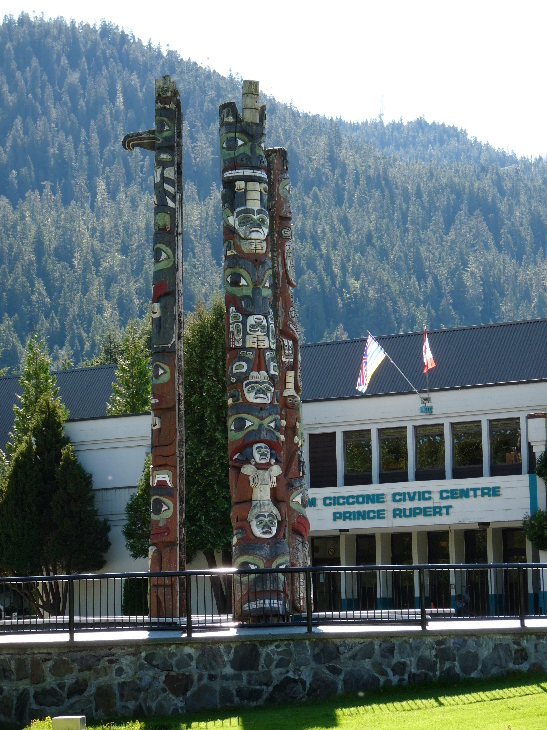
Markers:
point(394, 224)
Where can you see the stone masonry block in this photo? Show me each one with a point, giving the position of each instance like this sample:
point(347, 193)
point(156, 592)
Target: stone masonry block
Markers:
point(68, 722)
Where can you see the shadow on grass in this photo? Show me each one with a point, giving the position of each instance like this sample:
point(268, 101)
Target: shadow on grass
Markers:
point(325, 713)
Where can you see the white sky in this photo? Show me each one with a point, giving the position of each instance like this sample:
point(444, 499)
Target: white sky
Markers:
point(478, 65)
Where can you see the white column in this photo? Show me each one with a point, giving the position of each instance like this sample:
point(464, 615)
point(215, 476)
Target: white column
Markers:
point(349, 581)
point(537, 434)
point(339, 458)
point(375, 455)
point(448, 450)
point(383, 557)
point(457, 555)
point(524, 443)
point(485, 447)
point(457, 546)
point(419, 547)
point(494, 545)
point(495, 555)
point(348, 548)
point(419, 556)
point(411, 446)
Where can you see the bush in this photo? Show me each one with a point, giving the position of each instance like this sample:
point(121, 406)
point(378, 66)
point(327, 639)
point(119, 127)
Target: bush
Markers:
point(541, 466)
point(535, 527)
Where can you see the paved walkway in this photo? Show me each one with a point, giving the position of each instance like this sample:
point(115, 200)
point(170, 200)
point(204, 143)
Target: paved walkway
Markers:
point(436, 627)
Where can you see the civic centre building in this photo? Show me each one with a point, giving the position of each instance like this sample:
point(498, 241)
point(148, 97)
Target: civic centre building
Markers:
point(398, 479)
point(394, 478)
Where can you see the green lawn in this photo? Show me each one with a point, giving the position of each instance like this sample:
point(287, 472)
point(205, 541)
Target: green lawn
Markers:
point(513, 703)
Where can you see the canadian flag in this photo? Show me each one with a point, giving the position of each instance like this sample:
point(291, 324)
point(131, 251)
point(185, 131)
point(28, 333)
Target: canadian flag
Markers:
point(429, 362)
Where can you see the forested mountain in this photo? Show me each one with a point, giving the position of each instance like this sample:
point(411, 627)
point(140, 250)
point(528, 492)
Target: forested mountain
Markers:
point(395, 224)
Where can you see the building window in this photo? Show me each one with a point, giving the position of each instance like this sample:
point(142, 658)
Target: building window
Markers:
point(327, 585)
point(531, 460)
point(357, 458)
point(475, 545)
point(438, 552)
point(430, 452)
point(514, 545)
point(505, 454)
point(475, 591)
point(367, 581)
point(402, 580)
point(365, 550)
point(467, 442)
point(393, 455)
point(322, 459)
point(514, 551)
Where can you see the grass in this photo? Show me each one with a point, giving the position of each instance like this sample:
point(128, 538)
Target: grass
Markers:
point(509, 703)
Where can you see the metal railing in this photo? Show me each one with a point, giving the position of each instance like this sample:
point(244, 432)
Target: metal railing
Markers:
point(197, 600)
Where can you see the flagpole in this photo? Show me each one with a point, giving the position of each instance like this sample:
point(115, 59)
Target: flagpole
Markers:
point(397, 367)
point(427, 365)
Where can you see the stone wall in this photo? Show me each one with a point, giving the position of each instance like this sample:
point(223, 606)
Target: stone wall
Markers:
point(105, 679)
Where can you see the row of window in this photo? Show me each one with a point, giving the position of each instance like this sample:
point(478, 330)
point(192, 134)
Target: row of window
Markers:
point(326, 550)
point(473, 592)
point(467, 450)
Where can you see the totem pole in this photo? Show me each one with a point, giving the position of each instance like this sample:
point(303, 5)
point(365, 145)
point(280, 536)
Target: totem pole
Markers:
point(260, 500)
point(287, 330)
point(167, 471)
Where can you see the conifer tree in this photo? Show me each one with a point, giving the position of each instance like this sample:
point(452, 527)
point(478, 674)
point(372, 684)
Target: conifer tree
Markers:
point(79, 540)
point(136, 530)
point(48, 521)
point(208, 526)
point(131, 391)
point(30, 485)
point(207, 498)
point(36, 382)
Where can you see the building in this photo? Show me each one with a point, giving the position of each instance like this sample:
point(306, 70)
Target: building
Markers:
point(396, 481)
point(389, 483)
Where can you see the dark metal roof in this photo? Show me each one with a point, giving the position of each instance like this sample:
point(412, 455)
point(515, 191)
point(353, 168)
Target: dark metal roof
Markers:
point(508, 352)
point(84, 391)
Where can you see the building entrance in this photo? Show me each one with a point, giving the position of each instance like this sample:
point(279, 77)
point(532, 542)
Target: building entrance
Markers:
point(403, 580)
point(475, 592)
point(326, 586)
point(514, 551)
point(438, 552)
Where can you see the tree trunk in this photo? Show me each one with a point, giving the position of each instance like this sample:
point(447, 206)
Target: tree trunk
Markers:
point(217, 583)
point(228, 580)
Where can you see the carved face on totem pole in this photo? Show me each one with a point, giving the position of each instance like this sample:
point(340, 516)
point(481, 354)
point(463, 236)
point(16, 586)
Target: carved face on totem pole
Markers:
point(264, 593)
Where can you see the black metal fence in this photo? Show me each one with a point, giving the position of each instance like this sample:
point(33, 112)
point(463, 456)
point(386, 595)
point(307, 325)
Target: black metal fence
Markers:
point(194, 600)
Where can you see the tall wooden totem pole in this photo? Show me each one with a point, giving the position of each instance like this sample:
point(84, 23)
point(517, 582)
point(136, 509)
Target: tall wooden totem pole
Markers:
point(288, 360)
point(167, 472)
point(266, 482)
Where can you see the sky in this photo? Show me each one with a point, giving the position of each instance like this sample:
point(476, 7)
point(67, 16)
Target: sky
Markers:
point(477, 65)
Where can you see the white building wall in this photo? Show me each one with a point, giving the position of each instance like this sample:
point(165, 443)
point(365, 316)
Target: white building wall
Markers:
point(113, 450)
point(465, 404)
